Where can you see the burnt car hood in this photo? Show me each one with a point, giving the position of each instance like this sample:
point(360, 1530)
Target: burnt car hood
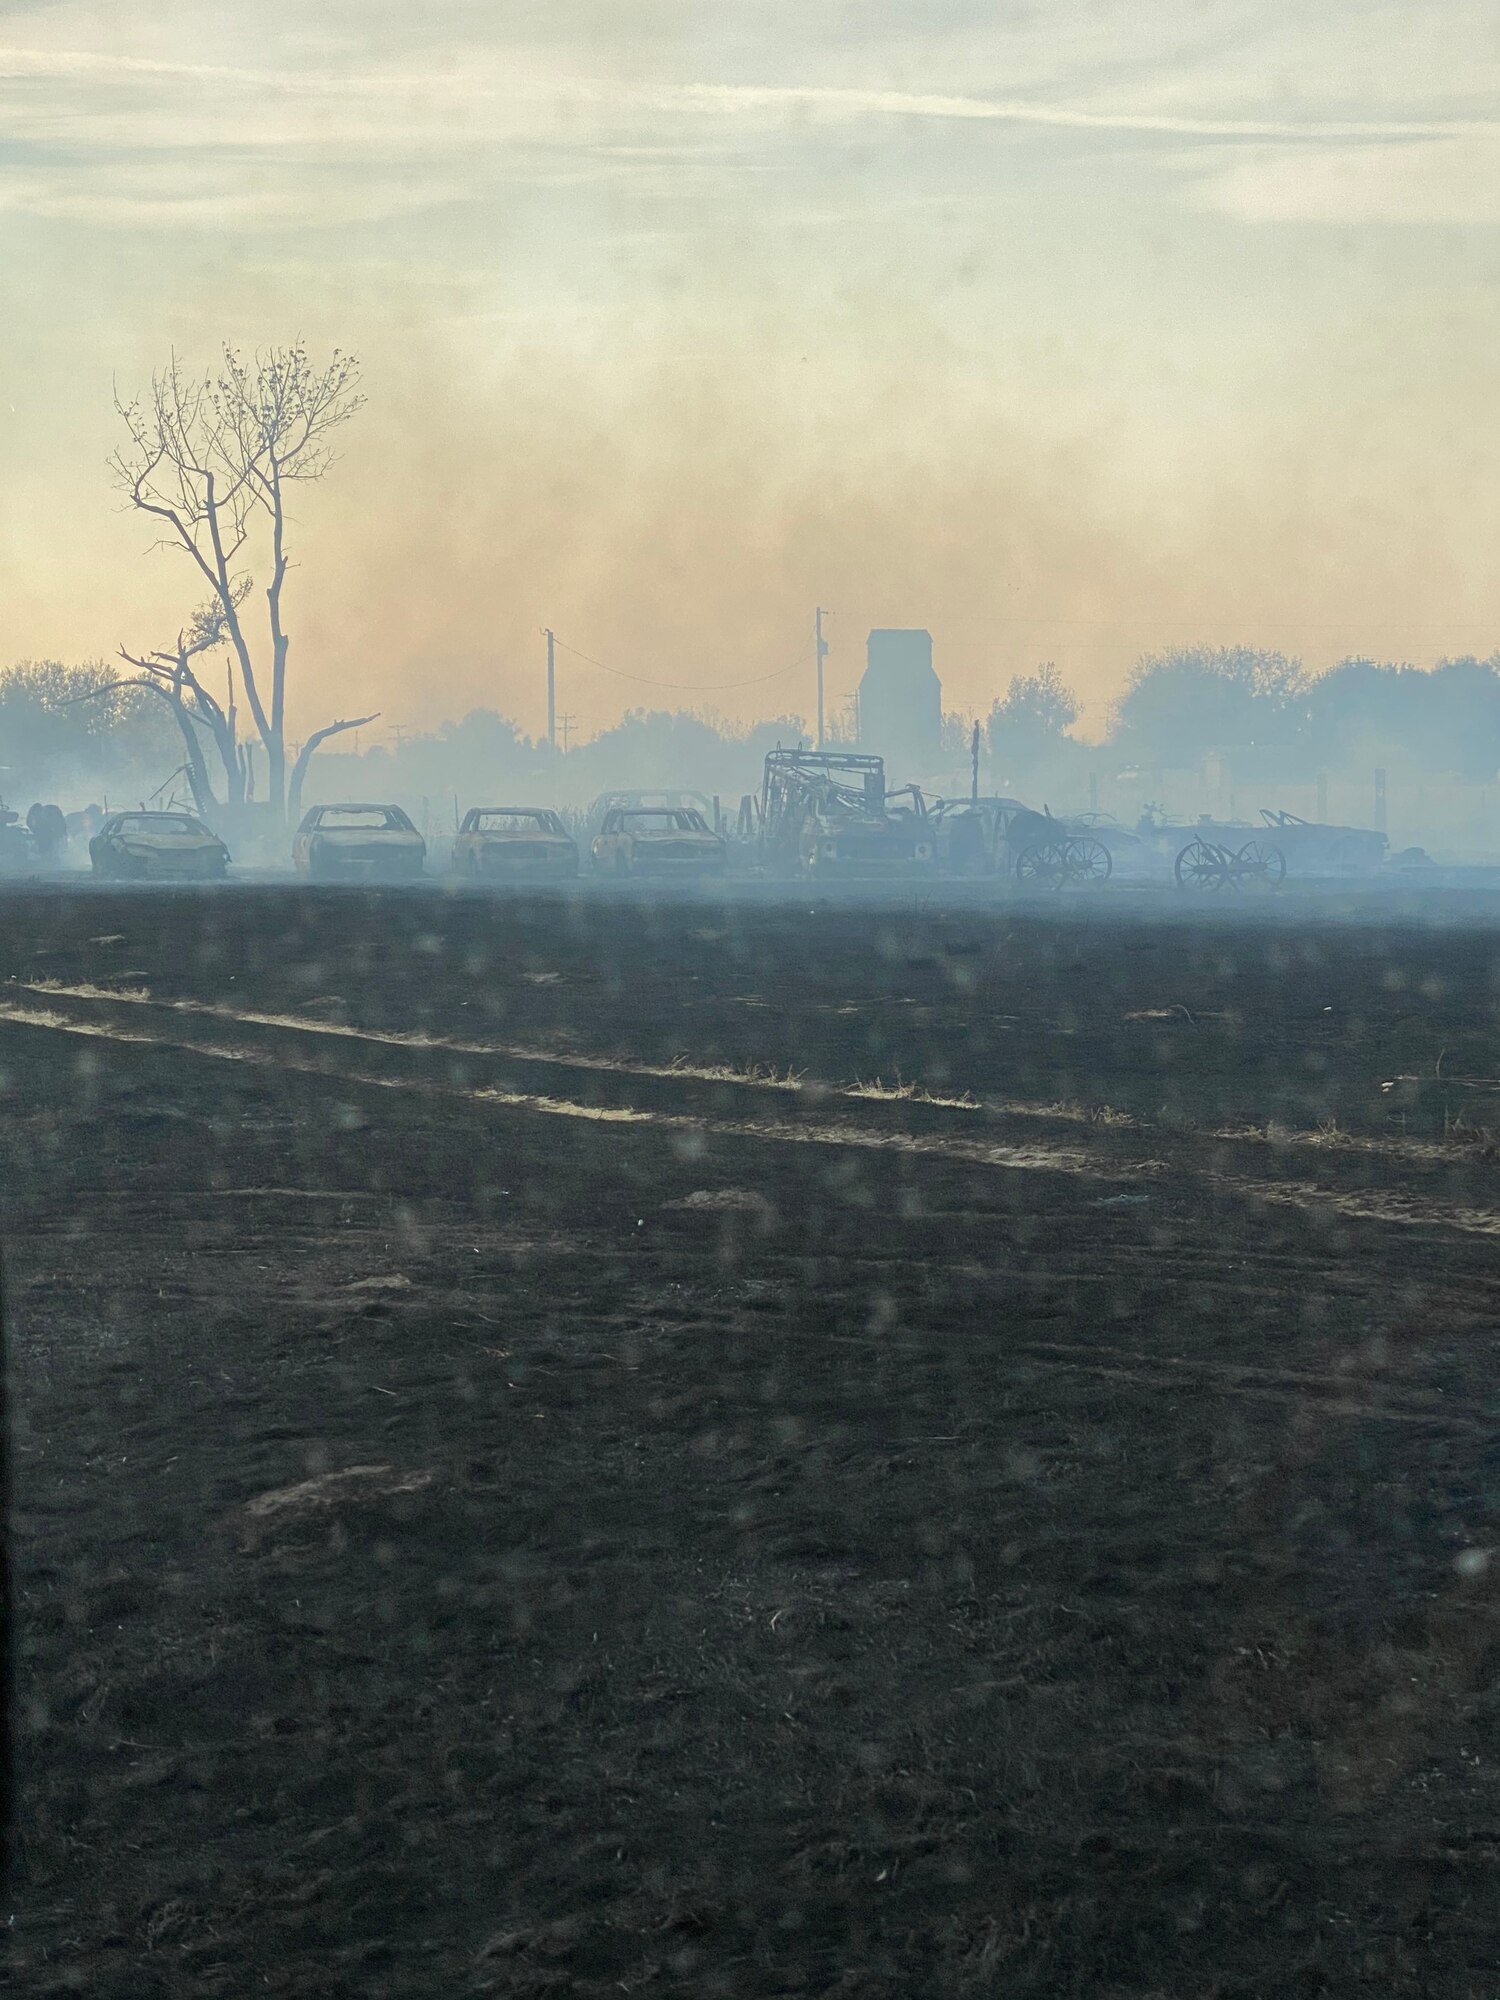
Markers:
point(165, 843)
point(491, 837)
point(367, 836)
point(657, 838)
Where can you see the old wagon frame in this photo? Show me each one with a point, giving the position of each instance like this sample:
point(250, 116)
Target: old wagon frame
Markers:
point(1212, 865)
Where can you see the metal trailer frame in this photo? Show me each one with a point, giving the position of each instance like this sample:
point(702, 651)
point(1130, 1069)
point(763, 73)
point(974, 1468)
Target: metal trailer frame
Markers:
point(810, 800)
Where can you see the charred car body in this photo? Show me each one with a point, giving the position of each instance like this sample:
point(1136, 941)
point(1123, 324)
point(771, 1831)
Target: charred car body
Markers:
point(1312, 848)
point(825, 812)
point(358, 842)
point(514, 843)
point(971, 833)
point(141, 846)
point(662, 841)
point(1215, 854)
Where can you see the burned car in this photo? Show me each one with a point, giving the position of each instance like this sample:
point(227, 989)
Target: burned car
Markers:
point(642, 840)
point(141, 846)
point(1313, 847)
point(360, 842)
point(514, 843)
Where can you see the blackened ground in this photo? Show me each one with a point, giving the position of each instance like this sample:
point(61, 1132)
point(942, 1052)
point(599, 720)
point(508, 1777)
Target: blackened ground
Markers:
point(513, 1497)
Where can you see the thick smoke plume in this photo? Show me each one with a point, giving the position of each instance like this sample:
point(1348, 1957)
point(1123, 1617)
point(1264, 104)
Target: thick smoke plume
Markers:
point(677, 516)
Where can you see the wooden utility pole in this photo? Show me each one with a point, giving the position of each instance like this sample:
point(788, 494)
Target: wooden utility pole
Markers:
point(565, 724)
point(822, 656)
point(974, 767)
point(551, 690)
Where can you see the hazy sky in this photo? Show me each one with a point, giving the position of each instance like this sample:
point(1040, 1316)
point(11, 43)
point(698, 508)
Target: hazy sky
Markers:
point(1069, 330)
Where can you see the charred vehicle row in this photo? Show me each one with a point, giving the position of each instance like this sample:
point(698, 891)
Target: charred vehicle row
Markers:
point(824, 815)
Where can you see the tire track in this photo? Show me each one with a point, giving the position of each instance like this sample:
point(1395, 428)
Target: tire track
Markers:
point(1332, 1394)
point(682, 1100)
point(1329, 1395)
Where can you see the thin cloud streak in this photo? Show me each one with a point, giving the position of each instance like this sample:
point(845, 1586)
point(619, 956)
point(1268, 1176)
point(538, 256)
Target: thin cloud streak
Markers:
point(902, 104)
point(441, 92)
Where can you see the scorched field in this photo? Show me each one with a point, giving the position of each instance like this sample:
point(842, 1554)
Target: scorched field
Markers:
point(591, 1448)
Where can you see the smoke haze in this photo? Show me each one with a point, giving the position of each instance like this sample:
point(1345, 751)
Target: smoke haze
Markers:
point(1066, 342)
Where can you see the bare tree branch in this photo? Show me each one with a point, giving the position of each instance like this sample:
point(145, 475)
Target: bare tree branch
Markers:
point(305, 757)
point(165, 683)
point(171, 668)
point(197, 767)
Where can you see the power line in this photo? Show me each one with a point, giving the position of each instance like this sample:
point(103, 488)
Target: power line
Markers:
point(687, 687)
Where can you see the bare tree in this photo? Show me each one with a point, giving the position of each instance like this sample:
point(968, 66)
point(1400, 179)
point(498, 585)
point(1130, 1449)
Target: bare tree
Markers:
point(212, 459)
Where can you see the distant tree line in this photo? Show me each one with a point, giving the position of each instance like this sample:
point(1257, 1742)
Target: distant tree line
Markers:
point(71, 729)
point(485, 758)
point(1265, 715)
point(68, 730)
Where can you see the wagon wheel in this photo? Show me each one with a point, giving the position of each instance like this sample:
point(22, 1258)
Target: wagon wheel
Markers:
point(1087, 861)
point(1201, 865)
point(1260, 864)
point(1045, 864)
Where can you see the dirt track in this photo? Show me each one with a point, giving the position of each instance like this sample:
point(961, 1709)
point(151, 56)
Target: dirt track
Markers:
point(593, 1448)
